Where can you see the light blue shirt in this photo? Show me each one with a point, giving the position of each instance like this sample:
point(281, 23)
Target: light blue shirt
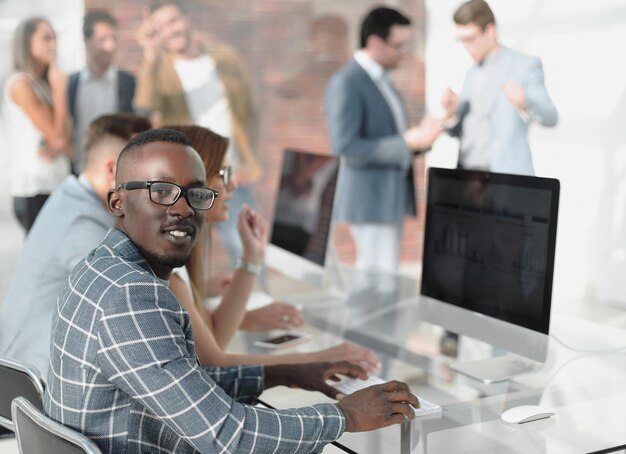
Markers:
point(70, 225)
point(494, 133)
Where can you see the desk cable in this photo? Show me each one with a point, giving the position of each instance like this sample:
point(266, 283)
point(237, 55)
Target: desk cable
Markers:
point(579, 350)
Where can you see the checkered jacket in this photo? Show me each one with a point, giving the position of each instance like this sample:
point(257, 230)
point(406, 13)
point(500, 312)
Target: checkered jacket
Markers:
point(124, 371)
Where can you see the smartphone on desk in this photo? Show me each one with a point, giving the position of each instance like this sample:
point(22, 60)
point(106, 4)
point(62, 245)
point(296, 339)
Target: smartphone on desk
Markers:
point(284, 340)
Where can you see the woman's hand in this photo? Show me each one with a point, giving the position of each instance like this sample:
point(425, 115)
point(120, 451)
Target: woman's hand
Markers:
point(252, 230)
point(273, 316)
point(349, 352)
point(148, 36)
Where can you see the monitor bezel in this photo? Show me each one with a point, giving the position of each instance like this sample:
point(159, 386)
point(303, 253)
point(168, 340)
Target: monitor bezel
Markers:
point(553, 186)
point(289, 263)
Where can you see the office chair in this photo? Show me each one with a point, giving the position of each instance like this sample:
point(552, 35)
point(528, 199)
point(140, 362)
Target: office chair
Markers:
point(18, 379)
point(36, 433)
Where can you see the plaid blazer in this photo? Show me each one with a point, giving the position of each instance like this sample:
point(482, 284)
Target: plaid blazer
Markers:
point(124, 371)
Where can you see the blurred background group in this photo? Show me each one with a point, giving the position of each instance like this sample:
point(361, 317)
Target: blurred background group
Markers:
point(275, 59)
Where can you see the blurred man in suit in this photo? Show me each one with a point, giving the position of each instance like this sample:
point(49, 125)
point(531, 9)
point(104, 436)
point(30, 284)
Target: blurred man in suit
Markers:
point(101, 87)
point(368, 129)
point(503, 93)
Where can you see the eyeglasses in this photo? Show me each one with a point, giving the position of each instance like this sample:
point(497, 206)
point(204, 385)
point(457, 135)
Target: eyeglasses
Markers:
point(401, 47)
point(164, 193)
point(227, 174)
point(468, 40)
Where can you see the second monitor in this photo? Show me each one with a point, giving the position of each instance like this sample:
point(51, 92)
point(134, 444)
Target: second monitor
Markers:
point(300, 236)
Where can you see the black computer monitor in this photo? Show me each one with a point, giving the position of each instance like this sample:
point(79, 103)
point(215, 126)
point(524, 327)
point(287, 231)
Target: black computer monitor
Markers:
point(302, 216)
point(489, 245)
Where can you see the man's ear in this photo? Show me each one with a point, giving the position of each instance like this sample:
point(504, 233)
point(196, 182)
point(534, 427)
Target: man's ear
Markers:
point(110, 165)
point(114, 203)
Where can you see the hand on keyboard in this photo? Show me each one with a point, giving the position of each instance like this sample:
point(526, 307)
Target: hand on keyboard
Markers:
point(352, 385)
point(378, 406)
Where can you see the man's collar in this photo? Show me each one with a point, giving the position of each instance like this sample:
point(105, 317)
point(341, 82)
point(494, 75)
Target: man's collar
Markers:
point(493, 56)
point(108, 76)
point(118, 240)
point(371, 67)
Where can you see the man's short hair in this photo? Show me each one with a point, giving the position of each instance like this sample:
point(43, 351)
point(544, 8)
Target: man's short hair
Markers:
point(120, 126)
point(379, 22)
point(150, 136)
point(94, 17)
point(474, 12)
point(157, 4)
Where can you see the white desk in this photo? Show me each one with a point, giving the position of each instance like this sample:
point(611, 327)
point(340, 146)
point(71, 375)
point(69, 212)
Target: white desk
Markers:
point(587, 390)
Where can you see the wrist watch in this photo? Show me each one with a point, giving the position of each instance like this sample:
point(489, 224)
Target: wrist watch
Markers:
point(248, 267)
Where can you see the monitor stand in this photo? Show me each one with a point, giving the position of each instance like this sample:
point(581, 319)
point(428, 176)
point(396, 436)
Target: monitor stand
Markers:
point(496, 369)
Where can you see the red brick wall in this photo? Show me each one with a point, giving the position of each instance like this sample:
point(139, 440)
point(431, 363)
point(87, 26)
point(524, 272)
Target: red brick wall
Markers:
point(276, 41)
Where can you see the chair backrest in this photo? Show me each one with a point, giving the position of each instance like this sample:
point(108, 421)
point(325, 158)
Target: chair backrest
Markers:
point(36, 433)
point(18, 379)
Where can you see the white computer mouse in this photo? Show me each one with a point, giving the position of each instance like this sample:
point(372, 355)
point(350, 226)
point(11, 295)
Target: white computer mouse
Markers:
point(525, 413)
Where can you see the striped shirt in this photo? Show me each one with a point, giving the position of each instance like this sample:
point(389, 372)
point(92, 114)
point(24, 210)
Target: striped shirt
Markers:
point(124, 371)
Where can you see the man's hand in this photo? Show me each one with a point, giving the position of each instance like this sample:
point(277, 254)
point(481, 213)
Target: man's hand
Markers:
point(311, 376)
point(378, 406)
point(273, 316)
point(514, 93)
point(450, 102)
point(422, 137)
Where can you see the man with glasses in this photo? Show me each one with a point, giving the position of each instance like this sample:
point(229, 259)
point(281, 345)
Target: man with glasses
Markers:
point(124, 370)
point(71, 223)
point(503, 93)
point(368, 128)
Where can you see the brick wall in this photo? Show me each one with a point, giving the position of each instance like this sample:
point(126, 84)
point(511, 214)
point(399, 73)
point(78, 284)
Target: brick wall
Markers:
point(291, 53)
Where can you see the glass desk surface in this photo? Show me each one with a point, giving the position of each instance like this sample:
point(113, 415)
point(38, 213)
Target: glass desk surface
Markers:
point(584, 383)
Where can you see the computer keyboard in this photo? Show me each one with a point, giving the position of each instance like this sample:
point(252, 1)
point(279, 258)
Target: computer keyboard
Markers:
point(352, 385)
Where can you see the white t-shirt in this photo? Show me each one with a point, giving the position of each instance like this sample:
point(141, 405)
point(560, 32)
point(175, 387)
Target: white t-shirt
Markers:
point(30, 173)
point(205, 95)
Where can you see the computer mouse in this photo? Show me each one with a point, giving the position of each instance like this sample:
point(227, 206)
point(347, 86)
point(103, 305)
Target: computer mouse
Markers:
point(525, 413)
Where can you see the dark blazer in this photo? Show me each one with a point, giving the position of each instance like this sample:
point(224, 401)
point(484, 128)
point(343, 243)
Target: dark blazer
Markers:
point(125, 91)
point(376, 179)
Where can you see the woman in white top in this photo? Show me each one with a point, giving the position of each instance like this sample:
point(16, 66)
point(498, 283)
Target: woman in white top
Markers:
point(213, 330)
point(35, 116)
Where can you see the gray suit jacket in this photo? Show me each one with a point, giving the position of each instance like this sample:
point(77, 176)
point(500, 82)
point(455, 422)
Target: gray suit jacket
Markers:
point(376, 179)
point(509, 131)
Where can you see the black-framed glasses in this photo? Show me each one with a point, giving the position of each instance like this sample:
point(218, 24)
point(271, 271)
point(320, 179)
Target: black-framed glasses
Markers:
point(226, 173)
point(165, 193)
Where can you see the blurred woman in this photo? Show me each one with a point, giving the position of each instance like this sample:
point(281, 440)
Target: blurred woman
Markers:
point(213, 330)
point(35, 116)
point(244, 131)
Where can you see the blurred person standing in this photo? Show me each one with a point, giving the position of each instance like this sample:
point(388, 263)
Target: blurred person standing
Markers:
point(71, 224)
point(368, 128)
point(503, 93)
point(181, 81)
point(35, 116)
point(101, 87)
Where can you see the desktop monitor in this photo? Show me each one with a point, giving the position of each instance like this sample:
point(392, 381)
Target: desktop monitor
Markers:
point(487, 271)
point(302, 217)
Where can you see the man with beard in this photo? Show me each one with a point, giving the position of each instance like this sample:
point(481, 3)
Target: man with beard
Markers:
point(124, 370)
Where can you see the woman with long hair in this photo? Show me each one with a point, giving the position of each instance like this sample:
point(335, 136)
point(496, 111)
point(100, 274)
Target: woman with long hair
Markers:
point(243, 141)
point(35, 116)
point(213, 330)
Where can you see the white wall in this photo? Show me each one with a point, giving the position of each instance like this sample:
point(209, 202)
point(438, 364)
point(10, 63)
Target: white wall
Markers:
point(582, 46)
